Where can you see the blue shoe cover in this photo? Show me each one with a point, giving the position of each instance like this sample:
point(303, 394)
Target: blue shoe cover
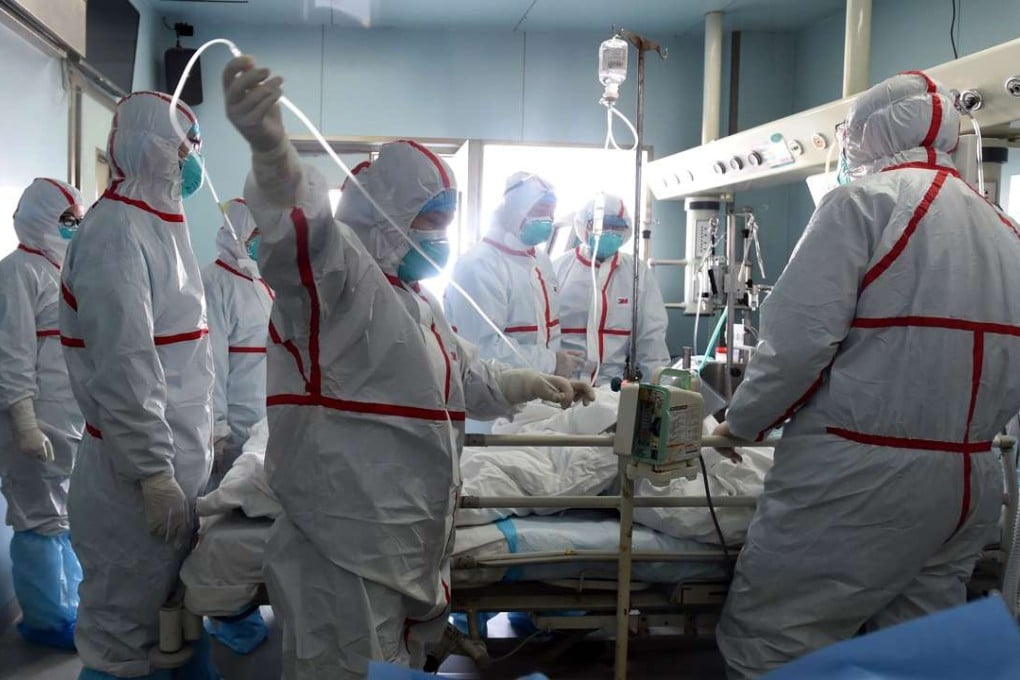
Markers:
point(242, 636)
point(58, 639)
point(46, 576)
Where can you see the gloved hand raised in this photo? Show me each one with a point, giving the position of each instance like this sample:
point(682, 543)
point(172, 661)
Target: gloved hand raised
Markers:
point(252, 98)
point(520, 385)
point(28, 438)
point(167, 513)
point(567, 363)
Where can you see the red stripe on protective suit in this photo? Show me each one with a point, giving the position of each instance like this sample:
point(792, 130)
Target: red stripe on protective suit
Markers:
point(548, 313)
point(71, 342)
point(977, 364)
point(926, 165)
point(929, 83)
point(509, 251)
point(435, 161)
point(605, 312)
point(446, 359)
point(936, 121)
point(521, 329)
point(304, 264)
point(373, 408)
point(65, 192)
point(94, 431)
point(224, 265)
point(71, 301)
point(48, 333)
point(142, 205)
point(788, 413)
point(909, 442)
point(196, 334)
point(40, 253)
point(246, 350)
point(292, 349)
point(354, 171)
point(901, 243)
point(937, 322)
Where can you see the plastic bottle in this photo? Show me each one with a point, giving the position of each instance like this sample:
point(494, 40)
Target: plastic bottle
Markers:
point(612, 67)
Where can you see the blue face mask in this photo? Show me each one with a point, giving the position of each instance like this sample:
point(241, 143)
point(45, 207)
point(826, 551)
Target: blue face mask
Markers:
point(253, 248)
point(843, 171)
point(192, 176)
point(414, 267)
point(68, 226)
point(536, 230)
point(609, 243)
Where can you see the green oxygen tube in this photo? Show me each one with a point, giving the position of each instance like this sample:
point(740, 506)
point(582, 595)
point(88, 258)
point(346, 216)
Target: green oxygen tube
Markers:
point(712, 341)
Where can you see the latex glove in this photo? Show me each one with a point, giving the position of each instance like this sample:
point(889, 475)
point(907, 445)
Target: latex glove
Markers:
point(251, 98)
point(520, 385)
point(568, 362)
point(167, 513)
point(28, 438)
point(583, 392)
point(723, 430)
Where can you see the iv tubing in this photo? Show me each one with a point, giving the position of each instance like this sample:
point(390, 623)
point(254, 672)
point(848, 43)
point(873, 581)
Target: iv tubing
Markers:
point(285, 102)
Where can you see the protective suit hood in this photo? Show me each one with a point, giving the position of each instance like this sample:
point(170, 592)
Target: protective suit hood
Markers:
point(229, 249)
point(401, 180)
point(523, 190)
point(906, 118)
point(142, 149)
point(614, 206)
point(37, 217)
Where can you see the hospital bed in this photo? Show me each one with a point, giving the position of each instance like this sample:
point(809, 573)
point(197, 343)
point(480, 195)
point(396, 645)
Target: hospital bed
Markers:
point(584, 570)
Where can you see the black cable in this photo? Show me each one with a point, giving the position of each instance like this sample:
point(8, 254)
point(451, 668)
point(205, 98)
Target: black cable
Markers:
point(952, 28)
point(715, 520)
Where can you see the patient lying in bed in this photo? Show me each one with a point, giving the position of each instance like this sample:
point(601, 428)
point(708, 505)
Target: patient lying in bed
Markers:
point(224, 572)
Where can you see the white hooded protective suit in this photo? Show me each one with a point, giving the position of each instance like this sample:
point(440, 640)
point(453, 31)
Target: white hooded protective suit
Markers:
point(367, 392)
point(887, 342)
point(32, 364)
point(606, 335)
point(133, 327)
point(238, 302)
point(513, 284)
point(44, 568)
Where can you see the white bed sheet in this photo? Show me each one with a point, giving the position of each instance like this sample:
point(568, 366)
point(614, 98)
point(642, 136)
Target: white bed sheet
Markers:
point(224, 572)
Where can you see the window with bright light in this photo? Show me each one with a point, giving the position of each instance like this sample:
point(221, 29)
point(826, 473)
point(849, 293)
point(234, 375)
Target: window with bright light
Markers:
point(577, 174)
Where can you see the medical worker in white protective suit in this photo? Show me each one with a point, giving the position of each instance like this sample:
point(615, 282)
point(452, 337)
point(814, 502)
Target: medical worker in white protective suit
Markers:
point(367, 396)
point(887, 343)
point(133, 326)
point(602, 336)
point(512, 280)
point(40, 424)
point(237, 302)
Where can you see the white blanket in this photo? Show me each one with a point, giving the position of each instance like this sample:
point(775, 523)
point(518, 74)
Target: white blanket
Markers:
point(563, 471)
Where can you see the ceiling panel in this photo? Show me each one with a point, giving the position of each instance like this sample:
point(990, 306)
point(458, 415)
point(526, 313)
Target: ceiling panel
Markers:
point(675, 17)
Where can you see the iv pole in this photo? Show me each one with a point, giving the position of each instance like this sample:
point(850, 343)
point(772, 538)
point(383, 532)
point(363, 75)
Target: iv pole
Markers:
point(642, 45)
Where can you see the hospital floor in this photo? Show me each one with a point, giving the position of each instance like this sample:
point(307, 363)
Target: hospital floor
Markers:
point(652, 659)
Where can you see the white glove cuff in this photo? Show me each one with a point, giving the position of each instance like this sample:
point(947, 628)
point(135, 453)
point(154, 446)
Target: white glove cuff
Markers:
point(278, 174)
point(23, 415)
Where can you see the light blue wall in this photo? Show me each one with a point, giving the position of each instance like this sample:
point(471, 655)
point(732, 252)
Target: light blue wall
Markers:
point(497, 86)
